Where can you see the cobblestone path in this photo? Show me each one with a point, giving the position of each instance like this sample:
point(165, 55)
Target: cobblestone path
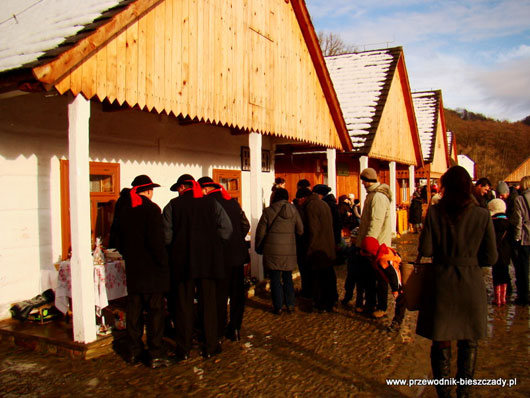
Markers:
point(340, 354)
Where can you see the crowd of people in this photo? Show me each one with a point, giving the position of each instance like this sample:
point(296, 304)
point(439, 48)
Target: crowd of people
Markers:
point(195, 250)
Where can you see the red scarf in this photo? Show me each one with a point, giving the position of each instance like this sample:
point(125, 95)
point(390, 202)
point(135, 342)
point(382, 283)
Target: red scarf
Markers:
point(224, 192)
point(196, 188)
point(136, 200)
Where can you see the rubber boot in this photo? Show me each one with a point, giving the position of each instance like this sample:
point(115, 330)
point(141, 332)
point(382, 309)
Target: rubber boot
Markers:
point(497, 292)
point(504, 288)
point(467, 358)
point(441, 368)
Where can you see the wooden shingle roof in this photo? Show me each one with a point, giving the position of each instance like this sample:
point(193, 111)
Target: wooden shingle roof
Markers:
point(362, 82)
point(34, 31)
point(426, 106)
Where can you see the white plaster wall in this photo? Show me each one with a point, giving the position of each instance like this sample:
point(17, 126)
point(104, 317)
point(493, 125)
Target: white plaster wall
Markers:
point(467, 164)
point(33, 139)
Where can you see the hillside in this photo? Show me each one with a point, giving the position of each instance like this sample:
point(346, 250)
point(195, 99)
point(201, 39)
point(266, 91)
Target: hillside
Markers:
point(496, 147)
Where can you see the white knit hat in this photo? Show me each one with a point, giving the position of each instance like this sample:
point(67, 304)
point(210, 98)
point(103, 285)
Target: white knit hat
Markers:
point(496, 206)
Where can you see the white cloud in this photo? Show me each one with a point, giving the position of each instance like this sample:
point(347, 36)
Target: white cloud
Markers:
point(477, 52)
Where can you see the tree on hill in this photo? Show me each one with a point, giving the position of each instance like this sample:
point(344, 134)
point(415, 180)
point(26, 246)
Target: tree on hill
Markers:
point(332, 44)
point(497, 147)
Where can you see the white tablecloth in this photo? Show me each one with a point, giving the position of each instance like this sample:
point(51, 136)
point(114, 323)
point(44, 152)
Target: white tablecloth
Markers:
point(109, 284)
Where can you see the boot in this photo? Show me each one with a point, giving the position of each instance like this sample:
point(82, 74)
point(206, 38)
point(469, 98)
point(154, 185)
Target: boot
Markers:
point(497, 292)
point(504, 288)
point(467, 358)
point(441, 368)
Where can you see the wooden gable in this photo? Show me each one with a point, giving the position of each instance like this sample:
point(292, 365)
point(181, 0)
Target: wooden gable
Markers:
point(522, 171)
point(239, 63)
point(396, 138)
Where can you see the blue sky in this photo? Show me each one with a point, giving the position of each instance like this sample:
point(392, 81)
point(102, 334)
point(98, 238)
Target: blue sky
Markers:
point(476, 51)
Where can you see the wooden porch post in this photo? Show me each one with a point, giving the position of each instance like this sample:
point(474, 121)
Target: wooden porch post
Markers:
point(82, 268)
point(363, 162)
point(256, 200)
point(412, 180)
point(332, 169)
point(393, 210)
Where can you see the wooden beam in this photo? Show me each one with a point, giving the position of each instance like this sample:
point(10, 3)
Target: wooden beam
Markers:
point(66, 61)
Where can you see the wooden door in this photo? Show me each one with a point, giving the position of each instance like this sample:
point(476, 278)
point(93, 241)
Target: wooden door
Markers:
point(104, 191)
point(230, 180)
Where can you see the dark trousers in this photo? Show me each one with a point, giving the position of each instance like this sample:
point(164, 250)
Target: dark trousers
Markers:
point(521, 274)
point(324, 287)
point(282, 293)
point(232, 287)
point(376, 287)
point(206, 295)
point(353, 278)
point(306, 278)
point(153, 304)
point(400, 308)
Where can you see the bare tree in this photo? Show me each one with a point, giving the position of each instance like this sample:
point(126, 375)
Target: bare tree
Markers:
point(331, 44)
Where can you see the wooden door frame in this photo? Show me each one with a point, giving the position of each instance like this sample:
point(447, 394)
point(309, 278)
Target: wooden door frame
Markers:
point(95, 168)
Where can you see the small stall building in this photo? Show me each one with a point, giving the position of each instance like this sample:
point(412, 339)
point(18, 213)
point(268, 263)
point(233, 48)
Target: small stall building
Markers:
point(95, 92)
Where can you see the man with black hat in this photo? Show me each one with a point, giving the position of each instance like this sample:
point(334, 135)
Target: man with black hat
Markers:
point(235, 252)
point(320, 249)
point(140, 236)
point(375, 222)
point(194, 228)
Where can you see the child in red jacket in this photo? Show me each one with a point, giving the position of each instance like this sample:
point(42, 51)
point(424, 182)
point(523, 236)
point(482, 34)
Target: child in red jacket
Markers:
point(386, 261)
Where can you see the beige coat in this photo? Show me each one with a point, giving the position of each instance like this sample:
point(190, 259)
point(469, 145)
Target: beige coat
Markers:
point(375, 218)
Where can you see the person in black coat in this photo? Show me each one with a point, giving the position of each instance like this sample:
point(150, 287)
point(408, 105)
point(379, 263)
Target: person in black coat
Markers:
point(194, 228)
point(415, 211)
point(501, 276)
point(459, 236)
point(235, 254)
point(138, 232)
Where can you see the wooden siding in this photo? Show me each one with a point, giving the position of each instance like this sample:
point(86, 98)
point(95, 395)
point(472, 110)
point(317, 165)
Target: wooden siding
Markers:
point(239, 63)
point(522, 171)
point(394, 139)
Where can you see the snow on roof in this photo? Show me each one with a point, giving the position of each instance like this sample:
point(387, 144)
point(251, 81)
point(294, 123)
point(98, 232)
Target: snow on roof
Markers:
point(359, 80)
point(426, 109)
point(30, 28)
point(450, 142)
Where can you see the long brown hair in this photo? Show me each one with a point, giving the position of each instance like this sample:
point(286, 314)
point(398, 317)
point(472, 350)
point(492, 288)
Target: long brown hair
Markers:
point(457, 193)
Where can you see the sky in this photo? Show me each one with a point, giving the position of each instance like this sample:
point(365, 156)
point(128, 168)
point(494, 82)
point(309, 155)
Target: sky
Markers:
point(476, 51)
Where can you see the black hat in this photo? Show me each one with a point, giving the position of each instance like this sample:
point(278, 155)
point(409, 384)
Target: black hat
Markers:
point(303, 184)
point(183, 179)
point(321, 189)
point(143, 183)
point(303, 193)
point(208, 182)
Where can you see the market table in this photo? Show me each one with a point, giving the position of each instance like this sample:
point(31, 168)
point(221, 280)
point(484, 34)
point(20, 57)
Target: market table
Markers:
point(109, 283)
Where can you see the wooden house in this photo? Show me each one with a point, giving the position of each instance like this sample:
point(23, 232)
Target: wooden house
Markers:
point(374, 94)
point(95, 92)
point(428, 106)
point(521, 171)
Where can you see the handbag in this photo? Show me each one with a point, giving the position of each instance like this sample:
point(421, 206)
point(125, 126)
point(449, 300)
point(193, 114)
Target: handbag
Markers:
point(414, 278)
point(259, 249)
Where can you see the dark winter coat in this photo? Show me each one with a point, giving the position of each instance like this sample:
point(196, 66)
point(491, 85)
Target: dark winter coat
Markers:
point(335, 216)
point(319, 237)
point(140, 236)
point(194, 229)
point(454, 304)
point(276, 228)
point(415, 210)
point(500, 268)
point(235, 249)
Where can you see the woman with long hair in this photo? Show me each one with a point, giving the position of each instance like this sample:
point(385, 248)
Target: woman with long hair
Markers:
point(459, 236)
